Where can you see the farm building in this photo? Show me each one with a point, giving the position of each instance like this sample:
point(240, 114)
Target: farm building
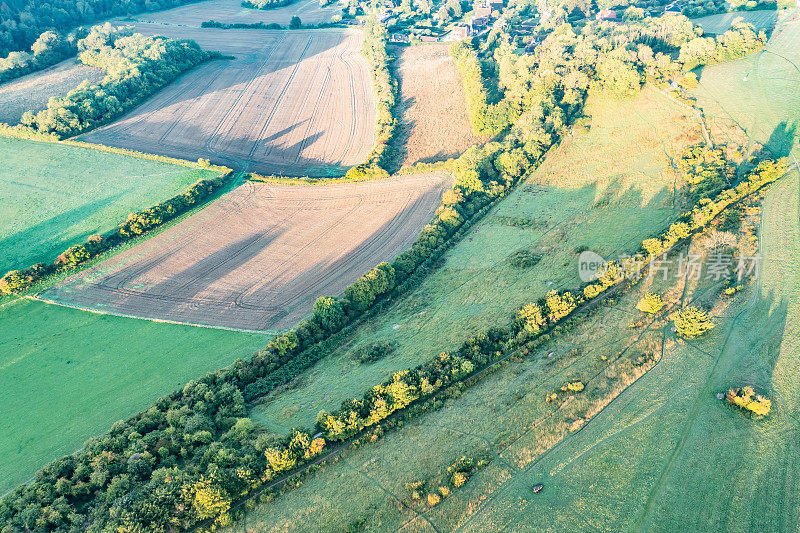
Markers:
point(399, 38)
point(607, 14)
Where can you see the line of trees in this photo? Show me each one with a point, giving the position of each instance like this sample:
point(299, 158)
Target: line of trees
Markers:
point(136, 66)
point(737, 42)
point(16, 281)
point(384, 87)
point(266, 4)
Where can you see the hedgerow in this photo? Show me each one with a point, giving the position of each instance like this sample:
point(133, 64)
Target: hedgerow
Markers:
point(16, 281)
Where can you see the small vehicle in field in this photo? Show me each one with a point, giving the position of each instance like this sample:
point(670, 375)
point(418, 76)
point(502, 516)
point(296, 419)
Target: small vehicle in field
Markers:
point(538, 488)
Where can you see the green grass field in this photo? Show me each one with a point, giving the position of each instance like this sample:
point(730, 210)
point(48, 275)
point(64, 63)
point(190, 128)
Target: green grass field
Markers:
point(67, 375)
point(54, 196)
point(667, 455)
point(761, 92)
point(588, 193)
point(720, 23)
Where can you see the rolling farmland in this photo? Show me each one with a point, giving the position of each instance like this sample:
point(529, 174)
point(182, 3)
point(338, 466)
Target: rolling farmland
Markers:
point(292, 103)
point(434, 124)
point(31, 92)
point(259, 257)
point(231, 11)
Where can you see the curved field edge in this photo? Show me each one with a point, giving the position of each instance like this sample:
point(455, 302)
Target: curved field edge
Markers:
point(243, 263)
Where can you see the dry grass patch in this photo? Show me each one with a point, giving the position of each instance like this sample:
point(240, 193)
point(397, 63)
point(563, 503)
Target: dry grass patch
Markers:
point(434, 123)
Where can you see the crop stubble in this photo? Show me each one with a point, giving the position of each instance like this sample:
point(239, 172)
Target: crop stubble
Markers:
point(258, 258)
point(292, 103)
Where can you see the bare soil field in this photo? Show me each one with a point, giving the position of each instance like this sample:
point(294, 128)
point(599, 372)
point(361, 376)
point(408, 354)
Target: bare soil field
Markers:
point(31, 92)
point(434, 124)
point(294, 103)
point(259, 257)
point(231, 12)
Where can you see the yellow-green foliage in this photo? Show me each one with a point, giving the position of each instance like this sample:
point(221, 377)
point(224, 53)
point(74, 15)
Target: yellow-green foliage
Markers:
point(531, 318)
point(559, 305)
point(650, 303)
point(747, 399)
point(574, 386)
point(691, 322)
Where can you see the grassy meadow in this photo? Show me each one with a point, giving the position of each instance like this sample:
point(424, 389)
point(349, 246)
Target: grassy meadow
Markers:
point(588, 193)
point(54, 196)
point(666, 455)
point(67, 375)
point(760, 93)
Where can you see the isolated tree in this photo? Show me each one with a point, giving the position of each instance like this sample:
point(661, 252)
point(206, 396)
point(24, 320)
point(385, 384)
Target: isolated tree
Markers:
point(295, 23)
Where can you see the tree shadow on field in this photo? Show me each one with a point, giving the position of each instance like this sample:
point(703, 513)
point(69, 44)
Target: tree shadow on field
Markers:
point(168, 123)
point(44, 235)
point(782, 140)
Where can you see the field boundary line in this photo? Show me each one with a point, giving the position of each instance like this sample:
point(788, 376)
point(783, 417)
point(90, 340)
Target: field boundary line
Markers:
point(149, 319)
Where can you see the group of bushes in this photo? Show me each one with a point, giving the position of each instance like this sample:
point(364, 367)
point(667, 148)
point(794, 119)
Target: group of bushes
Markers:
point(136, 66)
point(737, 42)
point(136, 224)
point(745, 398)
point(384, 86)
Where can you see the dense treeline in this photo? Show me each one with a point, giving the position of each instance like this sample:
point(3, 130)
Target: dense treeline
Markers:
point(22, 22)
point(384, 87)
point(486, 119)
point(194, 452)
point(136, 224)
point(47, 50)
point(136, 66)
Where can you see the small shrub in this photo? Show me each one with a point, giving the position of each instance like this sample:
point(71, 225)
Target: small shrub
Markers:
point(650, 303)
point(691, 322)
point(433, 499)
point(374, 352)
point(746, 398)
point(524, 259)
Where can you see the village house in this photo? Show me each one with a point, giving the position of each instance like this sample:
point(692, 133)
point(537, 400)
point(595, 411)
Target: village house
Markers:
point(607, 14)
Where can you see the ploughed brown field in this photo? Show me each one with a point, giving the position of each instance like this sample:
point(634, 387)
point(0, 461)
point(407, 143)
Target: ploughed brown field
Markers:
point(31, 92)
point(231, 11)
point(259, 257)
point(297, 103)
point(434, 124)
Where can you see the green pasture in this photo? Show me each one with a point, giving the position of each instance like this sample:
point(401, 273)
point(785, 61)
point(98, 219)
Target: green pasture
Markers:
point(667, 455)
point(761, 92)
point(67, 375)
point(504, 418)
point(593, 192)
point(720, 23)
point(54, 196)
